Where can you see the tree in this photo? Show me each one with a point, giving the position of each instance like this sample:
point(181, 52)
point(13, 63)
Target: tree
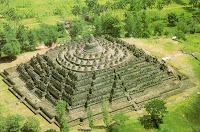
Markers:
point(22, 37)
point(13, 123)
point(10, 33)
point(61, 29)
point(50, 130)
point(111, 25)
point(31, 125)
point(76, 10)
point(158, 28)
point(32, 38)
point(98, 26)
point(2, 41)
point(135, 5)
point(166, 2)
point(145, 26)
point(11, 49)
point(180, 35)
point(120, 119)
point(64, 127)
point(172, 19)
point(120, 4)
point(167, 32)
point(76, 28)
point(100, 9)
point(12, 14)
point(129, 24)
point(2, 124)
point(183, 26)
point(151, 3)
point(6, 2)
point(61, 110)
point(138, 26)
point(192, 26)
point(48, 34)
point(160, 4)
point(105, 113)
point(58, 11)
point(194, 3)
point(91, 4)
point(144, 4)
point(90, 118)
point(156, 109)
point(118, 124)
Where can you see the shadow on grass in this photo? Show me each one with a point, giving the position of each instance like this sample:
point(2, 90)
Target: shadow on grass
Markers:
point(99, 127)
point(192, 114)
point(189, 9)
point(89, 130)
point(84, 130)
point(7, 59)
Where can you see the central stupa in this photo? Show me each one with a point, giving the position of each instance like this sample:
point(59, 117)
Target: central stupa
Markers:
point(92, 55)
point(92, 46)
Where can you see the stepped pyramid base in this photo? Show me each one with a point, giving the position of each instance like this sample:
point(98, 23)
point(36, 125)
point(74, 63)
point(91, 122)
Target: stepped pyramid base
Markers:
point(122, 74)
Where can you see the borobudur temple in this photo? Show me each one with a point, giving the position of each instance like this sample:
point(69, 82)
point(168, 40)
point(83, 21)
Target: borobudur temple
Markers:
point(84, 72)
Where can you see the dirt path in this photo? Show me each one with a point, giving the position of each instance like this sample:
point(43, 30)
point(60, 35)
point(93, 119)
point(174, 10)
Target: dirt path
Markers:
point(21, 59)
point(172, 56)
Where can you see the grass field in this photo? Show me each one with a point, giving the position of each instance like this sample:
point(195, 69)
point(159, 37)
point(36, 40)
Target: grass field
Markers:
point(192, 44)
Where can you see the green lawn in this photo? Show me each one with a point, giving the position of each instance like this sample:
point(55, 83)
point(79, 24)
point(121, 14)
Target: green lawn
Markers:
point(193, 43)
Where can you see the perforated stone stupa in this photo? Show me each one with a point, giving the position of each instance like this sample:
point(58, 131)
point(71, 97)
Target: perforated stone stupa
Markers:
point(84, 72)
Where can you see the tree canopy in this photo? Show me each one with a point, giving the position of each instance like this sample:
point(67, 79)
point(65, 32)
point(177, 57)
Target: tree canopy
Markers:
point(61, 110)
point(13, 123)
point(48, 34)
point(31, 125)
point(11, 49)
point(156, 109)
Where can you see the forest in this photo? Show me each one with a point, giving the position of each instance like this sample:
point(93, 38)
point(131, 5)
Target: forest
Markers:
point(130, 18)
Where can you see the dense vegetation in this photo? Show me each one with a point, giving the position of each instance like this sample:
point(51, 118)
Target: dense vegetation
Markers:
point(117, 18)
point(16, 123)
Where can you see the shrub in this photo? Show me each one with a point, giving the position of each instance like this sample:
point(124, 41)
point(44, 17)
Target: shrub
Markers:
point(76, 28)
point(13, 123)
point(11, 49)
point(31, 125)
point(48, 34)
point(180, 35)
point(172, 19)
point(111, 25)
point(158, 28)
point(183, 26)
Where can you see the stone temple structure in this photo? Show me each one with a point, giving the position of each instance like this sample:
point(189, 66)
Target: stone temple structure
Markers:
point(84, 72)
